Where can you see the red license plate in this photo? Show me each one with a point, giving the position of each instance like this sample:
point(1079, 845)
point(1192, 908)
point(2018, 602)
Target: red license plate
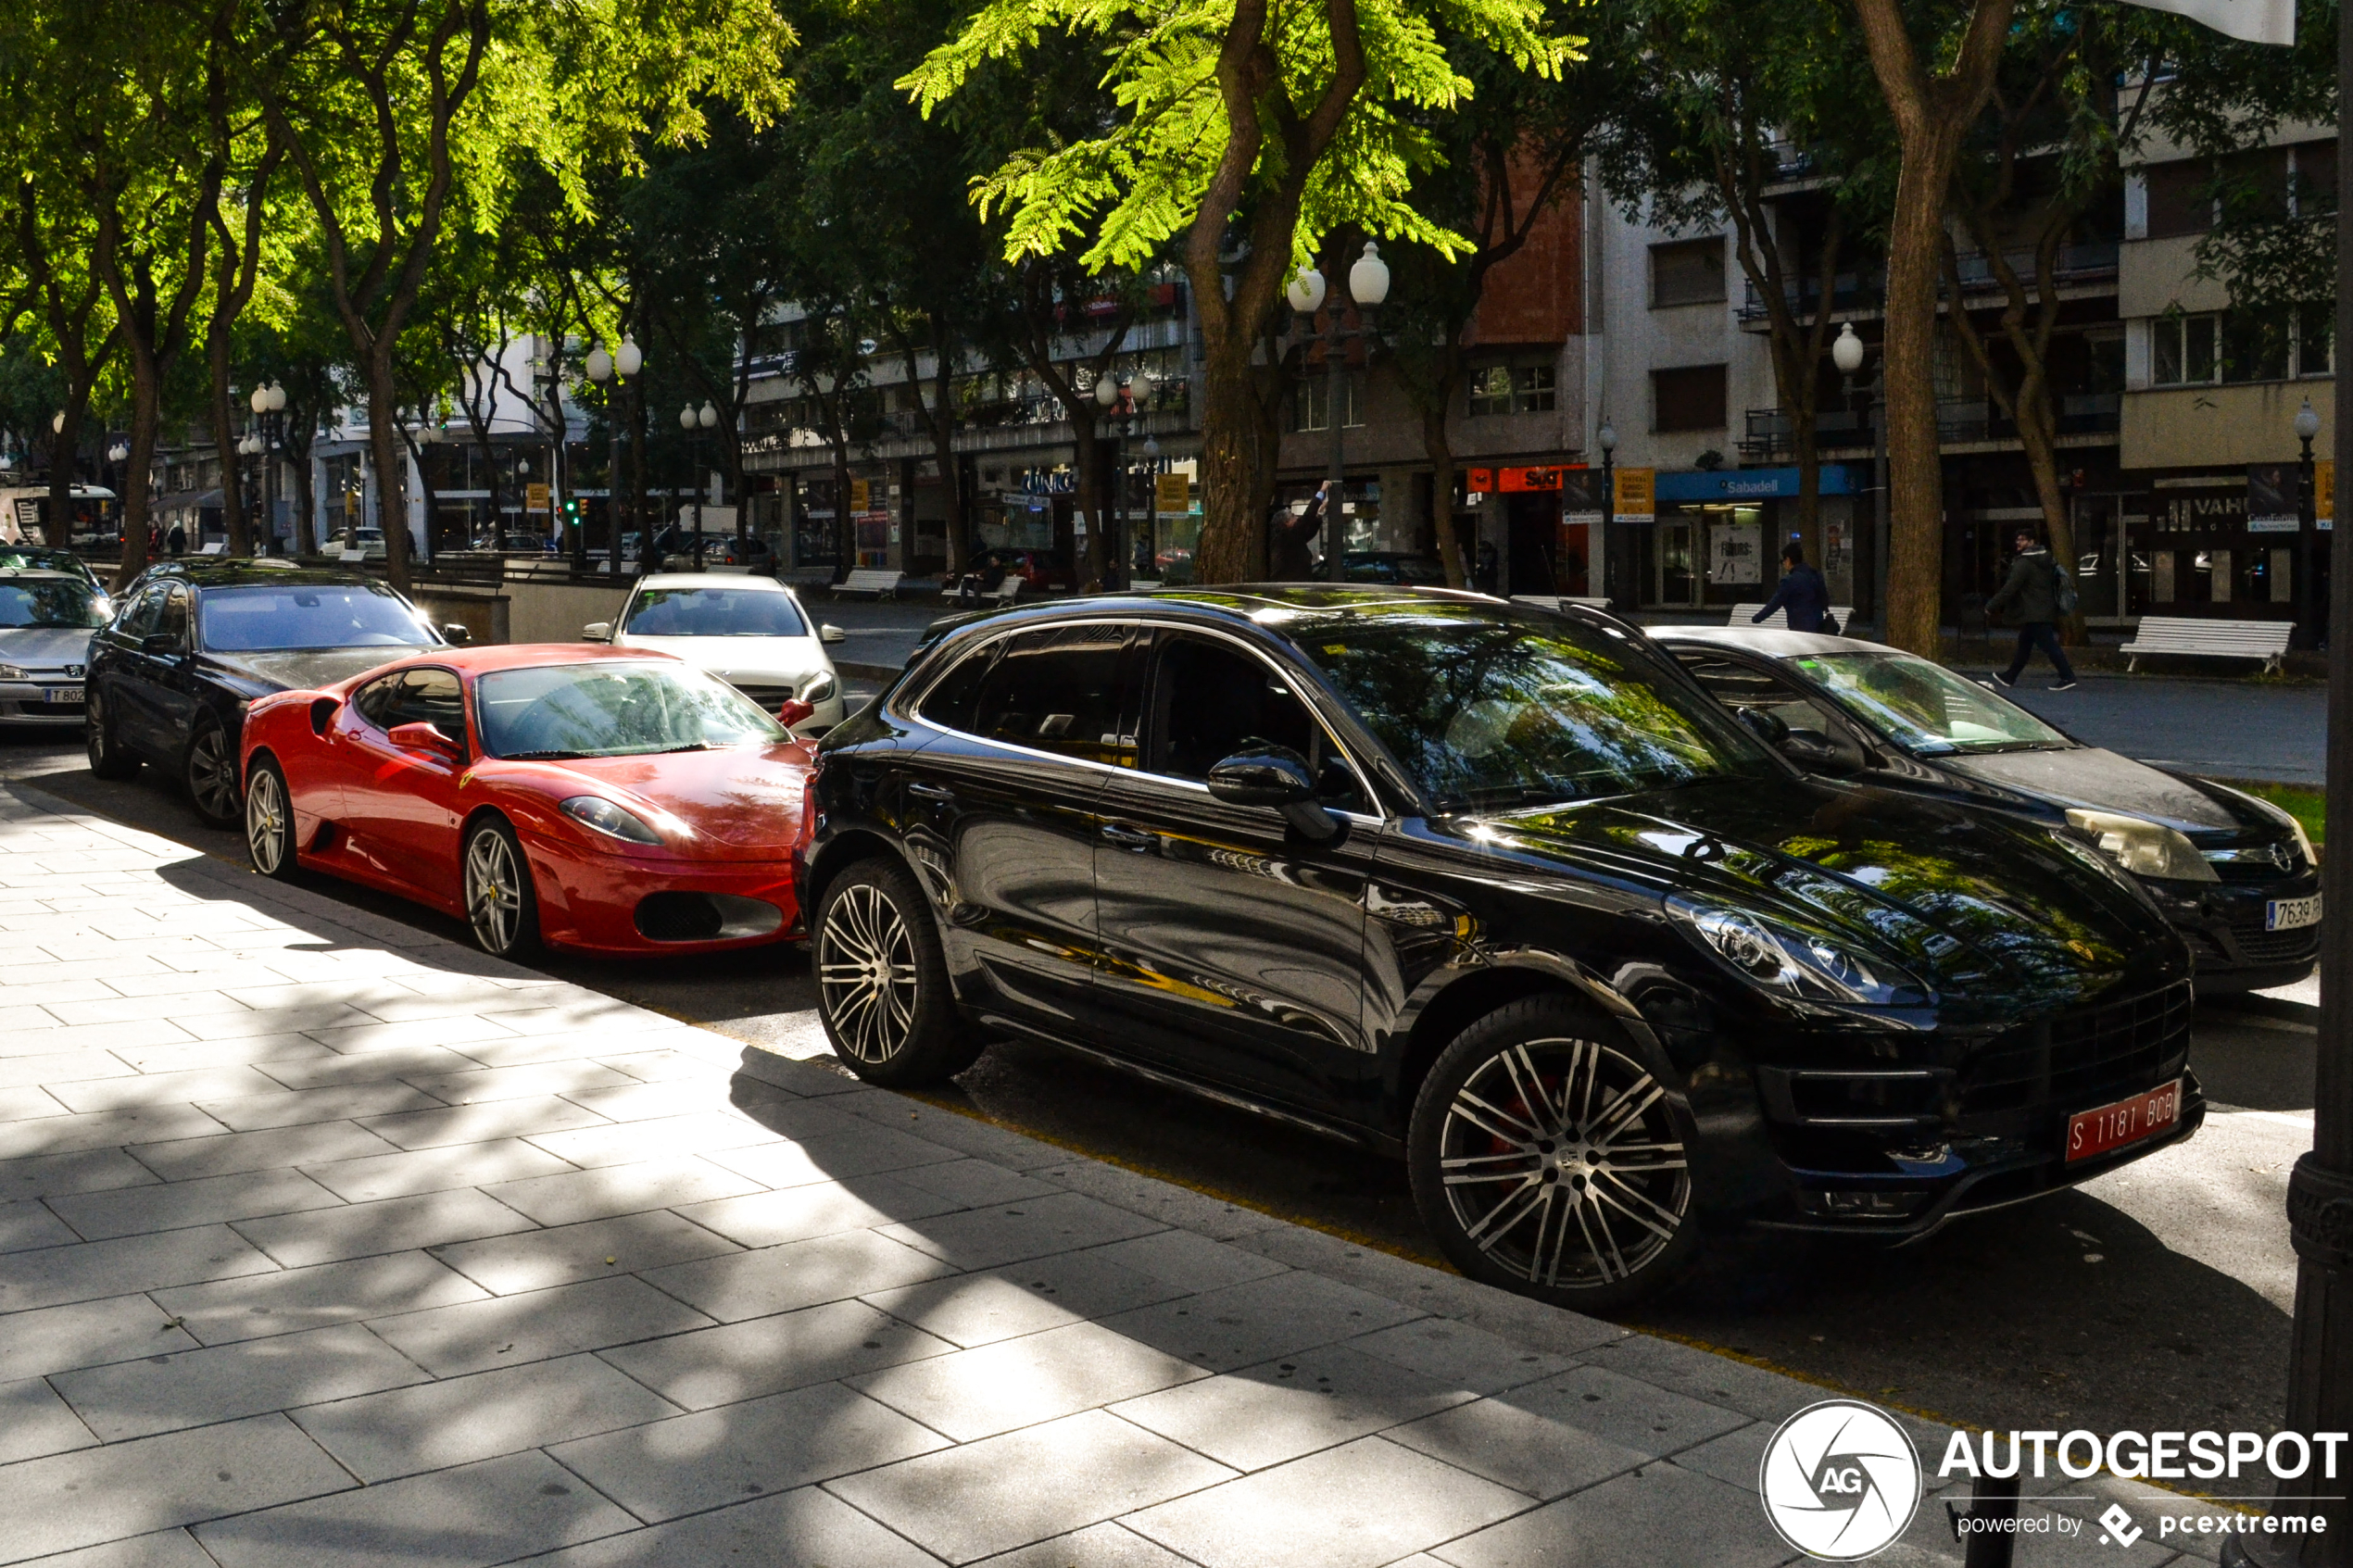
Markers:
point(2128, 1121)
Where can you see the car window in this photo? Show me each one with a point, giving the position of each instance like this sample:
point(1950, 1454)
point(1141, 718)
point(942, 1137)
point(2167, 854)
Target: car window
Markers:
point(139, 617)
point(714, 612)
point(1490, 708)
point(414, 697)
point(1059, 691)
point(173, 622)
point(310, 615)
point(953, 702)
point(1211, 699)
point(1739, 685)
point(1926, 707)
point(373, 701)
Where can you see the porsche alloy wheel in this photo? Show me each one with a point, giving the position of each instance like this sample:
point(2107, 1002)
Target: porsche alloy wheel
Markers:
point(499, 902)
point(269, 837)
point(211, 774)
point(882, 981)
point(1549, 1159)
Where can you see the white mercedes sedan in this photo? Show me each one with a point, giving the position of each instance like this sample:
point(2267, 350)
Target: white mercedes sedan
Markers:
point(750, 632)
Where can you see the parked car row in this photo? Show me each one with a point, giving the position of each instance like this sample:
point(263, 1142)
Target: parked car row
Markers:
point(1607, 936)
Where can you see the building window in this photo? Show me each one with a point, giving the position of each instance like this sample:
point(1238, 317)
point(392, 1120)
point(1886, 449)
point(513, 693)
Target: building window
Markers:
point(1688, 272)
point(1691, 399)
point(1512, 389)
point(1310, 402)
point(2230, 345)
point(2181, 198)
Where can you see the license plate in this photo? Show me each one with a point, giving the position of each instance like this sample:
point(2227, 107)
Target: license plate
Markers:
point(2128, 1121)
point(72, 697)
point(2291, 914)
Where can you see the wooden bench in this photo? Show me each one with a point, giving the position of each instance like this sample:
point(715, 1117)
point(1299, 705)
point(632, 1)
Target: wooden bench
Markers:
point(1778, 620)
point(995, 598)
point(2199, 637)
point(881, 585)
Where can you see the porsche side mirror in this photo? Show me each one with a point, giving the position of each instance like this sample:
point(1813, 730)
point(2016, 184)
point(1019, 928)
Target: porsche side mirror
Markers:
point(1817, 755)
point(831, 635)
point(426, 738)
point(596, 631)
point(457, 633)
point(1278, 777)
point(792, 710)
point(1767, 726)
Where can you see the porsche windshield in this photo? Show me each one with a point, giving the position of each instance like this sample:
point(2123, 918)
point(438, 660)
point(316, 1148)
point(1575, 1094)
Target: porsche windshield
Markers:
point(1491, 709)
point(309, 615)
point(610, 708)
point(70, 602)
point(1925, 708)
point(714, 612)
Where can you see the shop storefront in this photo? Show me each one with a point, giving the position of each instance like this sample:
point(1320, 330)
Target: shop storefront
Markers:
point(1715, 536)
point(2216, 544)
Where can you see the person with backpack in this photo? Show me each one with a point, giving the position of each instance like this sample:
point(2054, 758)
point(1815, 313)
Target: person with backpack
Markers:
point(1801, 593)
point(2038, 595)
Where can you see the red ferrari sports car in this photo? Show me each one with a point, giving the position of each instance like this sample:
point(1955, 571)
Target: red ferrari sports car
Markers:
point(601, 798)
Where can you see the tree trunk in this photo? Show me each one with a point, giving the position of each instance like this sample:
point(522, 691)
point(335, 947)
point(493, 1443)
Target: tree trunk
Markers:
point(845, 530)
point(136, 496)
point(306, 529)
point(233, 492)
point(1438, 443)
point(952, 472)
point(1915, 476)
point(385, 446)
point(1238, 473)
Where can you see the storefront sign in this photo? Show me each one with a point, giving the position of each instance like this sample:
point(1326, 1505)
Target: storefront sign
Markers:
point(1751, 484)
point(1520, 482)
point(534, 498)
point(2324, 492)
point(861, 496)
point(1636, 498)
point(1172, 493)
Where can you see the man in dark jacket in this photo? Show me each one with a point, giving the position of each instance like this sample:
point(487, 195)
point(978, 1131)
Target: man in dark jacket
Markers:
point(1803, 593)
point(2030, 596)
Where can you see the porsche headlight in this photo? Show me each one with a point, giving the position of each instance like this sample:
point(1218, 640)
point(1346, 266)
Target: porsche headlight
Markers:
point(820, 689)
point(608, 819)
point(2143, 847)
point(1794, 963)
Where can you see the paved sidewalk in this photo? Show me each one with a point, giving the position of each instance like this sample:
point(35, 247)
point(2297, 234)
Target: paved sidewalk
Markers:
point(326, 1242)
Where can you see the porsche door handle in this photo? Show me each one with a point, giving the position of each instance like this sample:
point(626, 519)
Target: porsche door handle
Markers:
point(1134, 840)
point(939, 793)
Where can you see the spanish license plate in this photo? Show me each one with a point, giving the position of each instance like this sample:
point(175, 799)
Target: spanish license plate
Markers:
point(62, 696)
point(2291, 914)
point(2128, 1121)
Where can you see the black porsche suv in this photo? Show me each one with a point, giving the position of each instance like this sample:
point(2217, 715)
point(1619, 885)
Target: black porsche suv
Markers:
point(1499, 890)
point(191, 644)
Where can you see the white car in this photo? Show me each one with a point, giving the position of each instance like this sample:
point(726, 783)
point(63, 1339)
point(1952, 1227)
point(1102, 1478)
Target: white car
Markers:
point(750, 632)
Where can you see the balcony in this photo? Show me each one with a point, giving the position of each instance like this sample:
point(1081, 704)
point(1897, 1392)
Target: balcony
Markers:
point(1768, 436)
point(1865, 291)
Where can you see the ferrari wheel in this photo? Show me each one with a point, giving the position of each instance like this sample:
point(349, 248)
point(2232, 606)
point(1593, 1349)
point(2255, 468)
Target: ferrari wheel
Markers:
point(270, 828)
point(882, 981)
point(210, 770)
point(499, 902)
point(107, 758)
point(1549, 1159)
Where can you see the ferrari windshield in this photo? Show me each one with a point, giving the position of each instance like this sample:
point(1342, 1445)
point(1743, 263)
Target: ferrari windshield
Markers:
point(1491, 709)
point(714, 612)
point(71, 602)
point(310, 615)
point(611, 707)
point(1925, 708)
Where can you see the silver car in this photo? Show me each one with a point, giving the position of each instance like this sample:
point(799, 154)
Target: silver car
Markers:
point(750, 632)
point(46, 619)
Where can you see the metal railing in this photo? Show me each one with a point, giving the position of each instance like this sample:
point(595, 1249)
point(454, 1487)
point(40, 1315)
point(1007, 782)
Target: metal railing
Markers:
point(1866, 290)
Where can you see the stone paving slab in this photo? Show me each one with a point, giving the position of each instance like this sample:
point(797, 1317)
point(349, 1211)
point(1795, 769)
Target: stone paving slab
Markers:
point(382, 1250)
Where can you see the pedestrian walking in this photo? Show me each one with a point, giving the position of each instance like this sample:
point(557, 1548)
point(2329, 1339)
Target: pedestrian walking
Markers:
point(1802, 593)
point(2032, 596)
point(176, 540)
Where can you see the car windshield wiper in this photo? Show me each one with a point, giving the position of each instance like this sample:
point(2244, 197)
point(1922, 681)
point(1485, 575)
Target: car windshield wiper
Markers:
point(539, 756)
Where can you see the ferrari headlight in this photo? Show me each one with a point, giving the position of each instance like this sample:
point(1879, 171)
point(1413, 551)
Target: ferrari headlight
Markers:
point(608, 819)
point(819, 689)
point(1795, 962)
point(2143, 847)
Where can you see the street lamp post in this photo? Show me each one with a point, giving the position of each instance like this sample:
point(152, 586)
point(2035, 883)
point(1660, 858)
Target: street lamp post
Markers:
point(1117, 396)
point(2307, 425)
point(603, 366)
point(694, 421)
point(1368, 286)
point(1616, 585)
point(1847, 354)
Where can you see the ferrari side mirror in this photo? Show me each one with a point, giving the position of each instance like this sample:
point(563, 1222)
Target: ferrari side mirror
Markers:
point(426, 738)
